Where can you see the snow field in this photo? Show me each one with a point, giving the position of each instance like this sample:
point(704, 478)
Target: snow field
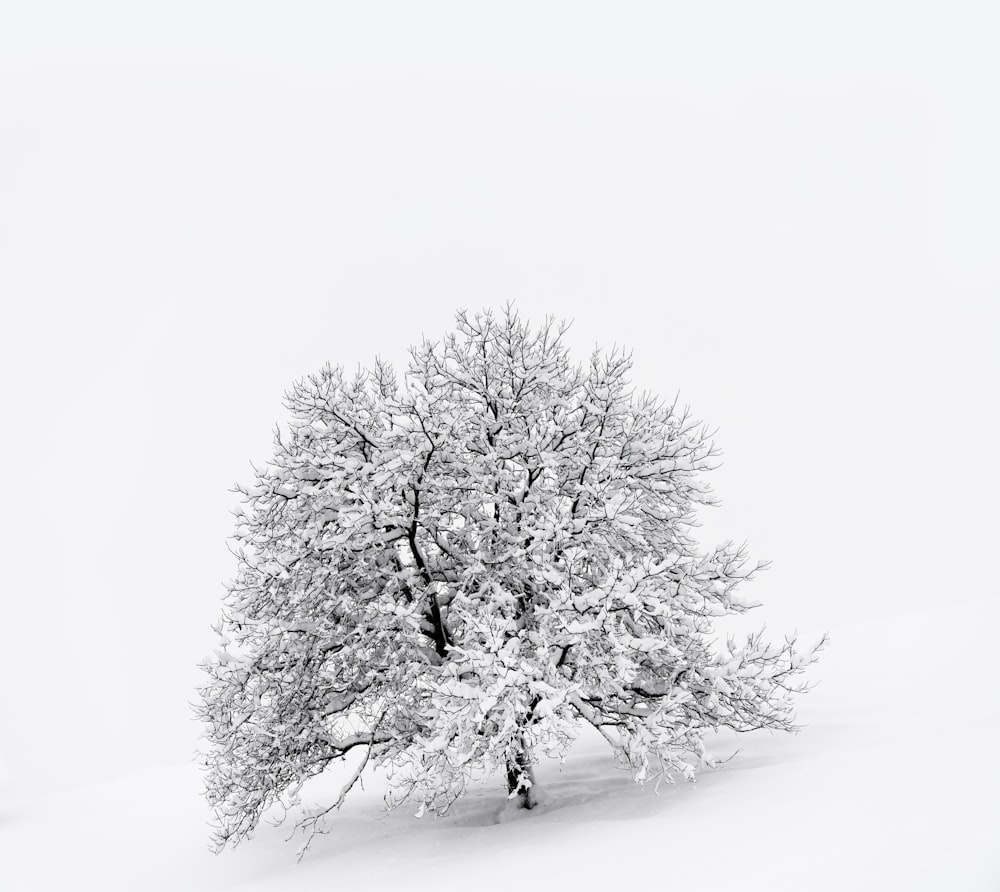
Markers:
point(891, 785)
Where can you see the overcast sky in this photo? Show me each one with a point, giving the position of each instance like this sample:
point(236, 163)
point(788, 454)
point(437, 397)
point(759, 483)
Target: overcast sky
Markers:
point(791, 216)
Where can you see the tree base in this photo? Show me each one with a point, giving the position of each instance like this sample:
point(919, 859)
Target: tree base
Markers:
point(515, 808)
point(526, 799)
point(522, 789)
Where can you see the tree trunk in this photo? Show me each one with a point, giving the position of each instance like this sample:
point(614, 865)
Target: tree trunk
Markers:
point(521, 778)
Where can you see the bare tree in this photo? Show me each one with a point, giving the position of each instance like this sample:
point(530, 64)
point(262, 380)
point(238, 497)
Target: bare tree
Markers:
point(456, 569)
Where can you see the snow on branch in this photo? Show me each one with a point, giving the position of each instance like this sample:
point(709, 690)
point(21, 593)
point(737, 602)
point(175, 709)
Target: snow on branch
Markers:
point(456, 568)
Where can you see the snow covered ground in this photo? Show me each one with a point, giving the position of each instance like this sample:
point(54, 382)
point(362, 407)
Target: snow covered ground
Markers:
point(892, 785)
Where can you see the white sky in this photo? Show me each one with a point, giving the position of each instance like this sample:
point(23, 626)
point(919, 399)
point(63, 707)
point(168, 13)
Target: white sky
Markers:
point(791, 215)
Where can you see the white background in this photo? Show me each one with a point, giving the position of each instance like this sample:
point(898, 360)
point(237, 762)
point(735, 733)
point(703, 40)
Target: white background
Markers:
point(790, 213)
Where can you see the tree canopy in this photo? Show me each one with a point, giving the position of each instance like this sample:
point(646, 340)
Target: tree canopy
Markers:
point(456, 569)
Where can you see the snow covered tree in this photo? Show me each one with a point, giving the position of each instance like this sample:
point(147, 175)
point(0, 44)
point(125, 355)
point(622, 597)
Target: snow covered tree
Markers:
point(456, 569)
